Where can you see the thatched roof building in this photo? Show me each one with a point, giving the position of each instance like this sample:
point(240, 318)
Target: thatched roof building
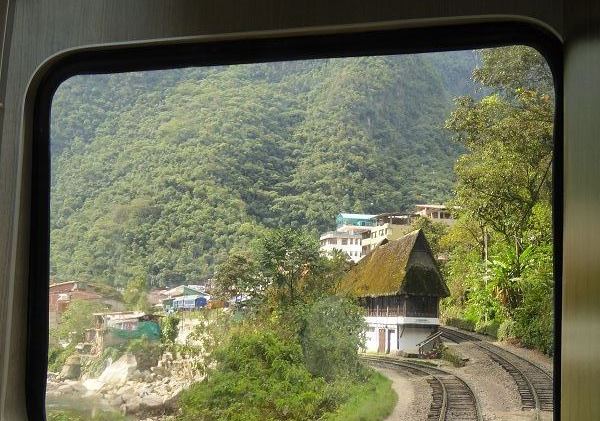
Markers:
point(405, 266)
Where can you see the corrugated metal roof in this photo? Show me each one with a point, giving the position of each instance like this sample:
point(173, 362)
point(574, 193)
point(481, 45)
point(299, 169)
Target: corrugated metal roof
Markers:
point(356, 216)
point(183, 290)
point(431, 206)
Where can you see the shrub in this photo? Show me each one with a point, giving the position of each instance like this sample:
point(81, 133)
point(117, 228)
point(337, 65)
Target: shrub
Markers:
point(534, 317)
point(489, 328)
point(463, 324)
point(373, 400)
point(146, 352)
point(531, 322)
point(169, 327)
point(506, 331)
point(58, 355)
point(331, 337)
point(448, 354)
point(259, 375)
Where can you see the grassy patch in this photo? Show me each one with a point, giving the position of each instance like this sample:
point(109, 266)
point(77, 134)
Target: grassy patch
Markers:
point(449, 355)
point(460, 323)
point(370, 401)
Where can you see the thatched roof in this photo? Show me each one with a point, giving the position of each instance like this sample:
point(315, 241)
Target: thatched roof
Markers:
point(402, 266)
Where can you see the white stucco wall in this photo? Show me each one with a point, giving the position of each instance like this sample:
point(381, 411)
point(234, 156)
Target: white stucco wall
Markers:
point(401, 332)
point(352, 247)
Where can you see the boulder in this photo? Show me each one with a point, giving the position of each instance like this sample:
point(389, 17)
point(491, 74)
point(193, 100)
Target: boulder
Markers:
point(65, 388)
point(129, 397)
point(79, 388)
point(72, 368)
point(171, 402)
point(120, 371)
point(116, 401)
point(132, 405)
point(125, 390)
point(151, 402)
point(93, 385)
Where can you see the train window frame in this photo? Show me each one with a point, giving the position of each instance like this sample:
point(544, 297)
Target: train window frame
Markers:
point(178, 53)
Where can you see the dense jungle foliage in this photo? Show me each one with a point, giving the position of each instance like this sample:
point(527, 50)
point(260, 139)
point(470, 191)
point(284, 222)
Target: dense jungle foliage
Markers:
point(500, 261)
point(161, 178)
point(162, 173)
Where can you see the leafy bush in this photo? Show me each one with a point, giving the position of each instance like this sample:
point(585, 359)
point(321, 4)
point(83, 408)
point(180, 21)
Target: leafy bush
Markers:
point(506, 331)
point(463, 324)
point(447, 354)
point(260, 375)
point(331, 337)
point(534, 318)
point(489, 328)
point(169, 327)
point(57, 357)
point(370, 401)
point(532, 321)
point(146, 352)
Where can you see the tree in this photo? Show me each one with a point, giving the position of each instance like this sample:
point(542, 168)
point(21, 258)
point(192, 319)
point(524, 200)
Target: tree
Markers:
point(78, 316)
point(238, 277)
point(168, 171)
point(288, 259)
point(499, 269)
point(332, 336)
point(434, 231)
point(506, 171)
point(169, 328)
point(136, 293)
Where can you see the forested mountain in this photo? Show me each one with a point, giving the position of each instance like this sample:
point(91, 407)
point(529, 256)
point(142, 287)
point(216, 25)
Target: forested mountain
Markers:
point(165, 172)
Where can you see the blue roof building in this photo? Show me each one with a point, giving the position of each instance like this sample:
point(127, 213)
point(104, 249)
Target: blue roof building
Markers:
point(355, 219)
point(189, 302)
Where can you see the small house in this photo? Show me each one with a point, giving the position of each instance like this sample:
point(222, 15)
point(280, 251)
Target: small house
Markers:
point(181, 297)
point(189, 302)
point(399, 285)
point(63, 293)
point(119, 327)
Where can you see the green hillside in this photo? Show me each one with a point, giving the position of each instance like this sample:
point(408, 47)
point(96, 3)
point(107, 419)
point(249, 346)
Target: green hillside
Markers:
point(164, 172)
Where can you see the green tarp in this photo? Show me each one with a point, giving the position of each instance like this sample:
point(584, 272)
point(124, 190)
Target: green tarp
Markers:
point(151, 330)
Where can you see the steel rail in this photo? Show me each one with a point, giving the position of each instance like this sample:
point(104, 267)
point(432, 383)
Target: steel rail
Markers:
point(534, 384)
point(452, 398)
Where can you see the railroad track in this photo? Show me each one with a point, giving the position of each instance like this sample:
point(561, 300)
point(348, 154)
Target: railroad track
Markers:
point(452, 398)
point(533, 383)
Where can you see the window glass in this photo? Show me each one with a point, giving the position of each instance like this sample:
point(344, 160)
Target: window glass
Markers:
point(194, 214)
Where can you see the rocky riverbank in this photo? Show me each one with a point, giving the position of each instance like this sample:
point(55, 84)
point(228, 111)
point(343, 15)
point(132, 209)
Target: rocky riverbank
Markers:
point(125, 388)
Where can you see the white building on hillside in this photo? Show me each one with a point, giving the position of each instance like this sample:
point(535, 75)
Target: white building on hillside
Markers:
point(348, 235)
point(358, 234)
point(344, 241)
point(387, 226)
point(437, 213)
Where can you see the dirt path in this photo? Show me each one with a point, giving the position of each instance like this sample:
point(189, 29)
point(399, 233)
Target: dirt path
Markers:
point(414, 396)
